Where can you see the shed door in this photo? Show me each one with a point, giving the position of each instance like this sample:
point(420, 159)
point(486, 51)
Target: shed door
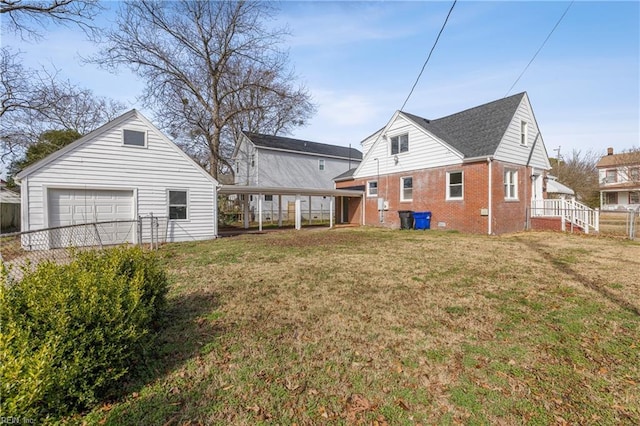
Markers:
point(82, 206)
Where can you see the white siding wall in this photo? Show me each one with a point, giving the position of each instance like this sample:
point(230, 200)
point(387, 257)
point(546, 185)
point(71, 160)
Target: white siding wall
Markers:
point(104, 163)
point(245, 174)
point(511, 150)
point(425, 151)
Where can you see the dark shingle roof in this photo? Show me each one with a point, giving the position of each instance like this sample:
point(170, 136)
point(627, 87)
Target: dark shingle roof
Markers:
point(346, 175)
point(476, 131)
point(289, 144)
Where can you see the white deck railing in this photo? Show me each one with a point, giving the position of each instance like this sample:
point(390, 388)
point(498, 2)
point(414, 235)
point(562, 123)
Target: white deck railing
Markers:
point(569, 211)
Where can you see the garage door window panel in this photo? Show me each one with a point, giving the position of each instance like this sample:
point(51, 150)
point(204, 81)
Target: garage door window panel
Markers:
point(178, 205)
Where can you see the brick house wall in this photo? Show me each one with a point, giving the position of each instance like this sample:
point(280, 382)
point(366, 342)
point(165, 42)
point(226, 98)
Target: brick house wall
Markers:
point(429, 194)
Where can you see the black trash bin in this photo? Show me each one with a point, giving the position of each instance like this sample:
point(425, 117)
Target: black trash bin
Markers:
point(406, 219)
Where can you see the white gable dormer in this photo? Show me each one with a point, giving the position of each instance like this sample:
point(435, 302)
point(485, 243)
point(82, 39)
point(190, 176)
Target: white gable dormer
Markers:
point(402, 145)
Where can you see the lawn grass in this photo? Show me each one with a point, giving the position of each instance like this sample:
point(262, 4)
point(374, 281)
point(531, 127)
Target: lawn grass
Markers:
point(373, 326)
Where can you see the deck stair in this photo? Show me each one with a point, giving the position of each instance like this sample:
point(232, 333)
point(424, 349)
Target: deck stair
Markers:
point(570, 212)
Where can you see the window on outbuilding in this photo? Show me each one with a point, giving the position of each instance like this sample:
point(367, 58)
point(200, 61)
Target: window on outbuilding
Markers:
point(455, 188)
point(406, 189)
point(134, 138)
point(399, 144)
point(178, 201)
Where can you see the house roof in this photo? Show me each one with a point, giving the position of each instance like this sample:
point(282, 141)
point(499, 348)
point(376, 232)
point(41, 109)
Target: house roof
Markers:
point(618, 160)
point(477, 131)
point(8, 196)
point(297, 145)
point(555, 187)
point(346, 175)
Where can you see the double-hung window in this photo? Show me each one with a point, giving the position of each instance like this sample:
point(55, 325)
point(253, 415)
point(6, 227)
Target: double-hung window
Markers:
point(524, 133)
point(178, 201)
point(399, 144)
point(372, 188)
point(406, 189)
point(455, 188)
point(612, 176)
point(510, 184)
point(321, 164)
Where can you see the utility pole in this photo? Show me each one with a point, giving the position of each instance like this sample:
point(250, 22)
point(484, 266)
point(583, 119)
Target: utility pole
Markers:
point(558, 160)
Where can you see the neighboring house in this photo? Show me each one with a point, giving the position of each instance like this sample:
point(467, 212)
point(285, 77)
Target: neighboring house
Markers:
point(619, 177)
point(279, 162)
point(125, 169)
point(9, 209)
point(476, 171)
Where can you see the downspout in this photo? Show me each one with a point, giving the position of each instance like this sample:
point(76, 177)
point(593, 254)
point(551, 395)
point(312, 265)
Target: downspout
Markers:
point(490, 212)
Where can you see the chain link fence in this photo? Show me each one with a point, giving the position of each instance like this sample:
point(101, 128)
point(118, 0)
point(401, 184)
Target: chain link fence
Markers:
point(622, 223)
point(20, 251)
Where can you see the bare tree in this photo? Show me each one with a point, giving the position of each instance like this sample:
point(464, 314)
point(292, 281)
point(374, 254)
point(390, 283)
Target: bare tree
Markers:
point(24, 16)
point(33, 102)
point(210, 67)
point(579, 173)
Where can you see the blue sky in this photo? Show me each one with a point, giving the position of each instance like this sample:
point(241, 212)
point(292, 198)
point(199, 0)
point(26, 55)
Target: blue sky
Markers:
point(360, 59)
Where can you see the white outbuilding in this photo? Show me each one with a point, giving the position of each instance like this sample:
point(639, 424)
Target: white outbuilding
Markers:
point(124, 170)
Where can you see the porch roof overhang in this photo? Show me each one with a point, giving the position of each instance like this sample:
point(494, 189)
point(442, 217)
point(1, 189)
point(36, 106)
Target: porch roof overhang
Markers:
point(270, 190)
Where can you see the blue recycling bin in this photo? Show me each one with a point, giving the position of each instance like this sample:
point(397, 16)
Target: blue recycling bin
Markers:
point(422, 220)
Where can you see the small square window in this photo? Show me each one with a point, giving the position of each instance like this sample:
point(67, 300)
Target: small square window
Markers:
point(178, 205)
point(399, 144)
point(454, 186)
point(268, 197)
point(634, 197)
point(611, 198)
point(321, 165)
point(134, 138)
point(372, 188)
point(406, 189)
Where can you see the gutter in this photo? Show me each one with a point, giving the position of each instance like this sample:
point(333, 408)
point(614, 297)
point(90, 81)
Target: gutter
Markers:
point(490, 186)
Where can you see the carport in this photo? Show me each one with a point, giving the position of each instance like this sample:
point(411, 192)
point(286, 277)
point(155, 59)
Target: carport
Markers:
point(260, 191)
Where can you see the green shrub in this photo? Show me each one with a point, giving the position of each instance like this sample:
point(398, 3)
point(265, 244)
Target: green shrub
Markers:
point(71, 332)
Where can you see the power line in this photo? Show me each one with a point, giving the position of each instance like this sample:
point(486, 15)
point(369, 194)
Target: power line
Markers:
point(539, 49)
point(428, 57)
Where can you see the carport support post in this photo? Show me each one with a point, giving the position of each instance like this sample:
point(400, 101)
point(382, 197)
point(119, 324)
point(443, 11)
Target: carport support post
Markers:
point(298, 213)
point(330, 212)
point(309, 209)
point(245, 209)
point(279, 211)
point(259, 212)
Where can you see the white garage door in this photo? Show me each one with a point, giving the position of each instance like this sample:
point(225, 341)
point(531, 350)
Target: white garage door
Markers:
point(78, 206)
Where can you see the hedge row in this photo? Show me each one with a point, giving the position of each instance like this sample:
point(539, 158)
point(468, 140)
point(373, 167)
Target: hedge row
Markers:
point(69, 333)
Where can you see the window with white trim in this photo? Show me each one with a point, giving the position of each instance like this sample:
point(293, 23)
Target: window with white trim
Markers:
point(399, 144)
point(634, 174)
point(510, 184)
point(524, 133)
point(134, 138)
point(320, 164)
point(178, 205)
point(406, 189)
point(612, 176)
point(372, 188)
point(455, 189)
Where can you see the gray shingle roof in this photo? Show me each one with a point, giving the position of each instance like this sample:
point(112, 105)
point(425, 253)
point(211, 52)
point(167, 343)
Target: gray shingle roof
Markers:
point(476, 131)
point(289, 144)
point(346, 175)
